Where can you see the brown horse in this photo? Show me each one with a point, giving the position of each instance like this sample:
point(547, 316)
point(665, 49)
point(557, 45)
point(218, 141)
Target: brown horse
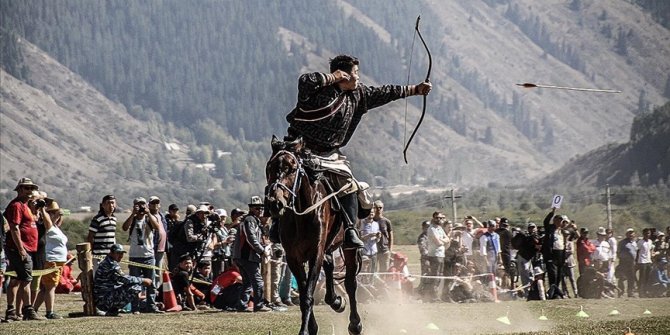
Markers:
point(309, 236)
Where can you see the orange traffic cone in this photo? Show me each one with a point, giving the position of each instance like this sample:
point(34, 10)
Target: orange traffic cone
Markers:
point(169, 298)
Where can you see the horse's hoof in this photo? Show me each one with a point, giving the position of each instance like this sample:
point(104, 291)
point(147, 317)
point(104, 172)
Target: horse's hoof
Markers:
point(339, 305)
point(355, 329)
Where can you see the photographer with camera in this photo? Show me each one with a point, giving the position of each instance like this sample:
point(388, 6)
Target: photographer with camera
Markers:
point(195, 229)
point(221, 244)
point(160, 237)
point(141, 228)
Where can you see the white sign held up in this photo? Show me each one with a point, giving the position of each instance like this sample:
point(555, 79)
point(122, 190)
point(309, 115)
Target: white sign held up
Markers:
point(557, 201)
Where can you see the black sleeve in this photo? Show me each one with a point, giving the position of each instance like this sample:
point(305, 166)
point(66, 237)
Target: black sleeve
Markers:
point(548, 219)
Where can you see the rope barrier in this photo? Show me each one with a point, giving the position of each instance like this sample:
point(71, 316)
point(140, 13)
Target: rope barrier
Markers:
point(42, 272)
point(35, 273)
point(146, 266)
point(135, 264)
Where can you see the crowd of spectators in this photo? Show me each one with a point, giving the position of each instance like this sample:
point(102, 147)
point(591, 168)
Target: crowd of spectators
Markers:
point(229, 263)
point(538, 264)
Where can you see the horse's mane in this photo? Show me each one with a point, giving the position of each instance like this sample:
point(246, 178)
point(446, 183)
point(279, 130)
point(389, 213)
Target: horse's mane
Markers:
point(295, 146)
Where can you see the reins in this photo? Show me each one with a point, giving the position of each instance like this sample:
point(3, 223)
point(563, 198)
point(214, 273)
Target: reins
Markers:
point(296, 186)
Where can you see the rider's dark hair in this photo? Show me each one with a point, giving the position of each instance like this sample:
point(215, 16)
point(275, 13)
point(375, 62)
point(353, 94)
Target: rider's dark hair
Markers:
point(343, 62)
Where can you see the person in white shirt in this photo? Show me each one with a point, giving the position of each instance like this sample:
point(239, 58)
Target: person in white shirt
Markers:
point(369, 231)
point(438, 242)
point(56, 256)
point(613, 245)
point(603, 253)
point(645, 249)
point(141, 227)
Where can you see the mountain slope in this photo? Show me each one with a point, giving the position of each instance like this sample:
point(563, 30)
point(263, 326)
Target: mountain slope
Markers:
point(226, 72)
point(61, 131)
point(643, 161)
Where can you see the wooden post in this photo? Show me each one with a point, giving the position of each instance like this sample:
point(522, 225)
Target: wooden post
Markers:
point(85, 259)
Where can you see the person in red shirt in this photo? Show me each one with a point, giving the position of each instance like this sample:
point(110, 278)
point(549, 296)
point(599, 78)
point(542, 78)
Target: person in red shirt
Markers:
point(21, 247)
point(226, 290)
point(584, 250)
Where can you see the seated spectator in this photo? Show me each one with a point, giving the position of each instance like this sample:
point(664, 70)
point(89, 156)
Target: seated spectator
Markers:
point(659, 279)
point(203, 273)
point(461, 289)
point(111, 288)
point(226, 290)
point(536, 290)
point(67, 283)
point(181, 282)
point(596, 285)
point(400, 276)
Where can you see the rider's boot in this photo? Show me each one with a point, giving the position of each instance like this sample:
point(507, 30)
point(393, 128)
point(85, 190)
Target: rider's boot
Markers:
point(351, 239)
point(349, 205)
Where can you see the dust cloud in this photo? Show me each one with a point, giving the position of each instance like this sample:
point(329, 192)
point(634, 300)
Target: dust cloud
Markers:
point(408, 316)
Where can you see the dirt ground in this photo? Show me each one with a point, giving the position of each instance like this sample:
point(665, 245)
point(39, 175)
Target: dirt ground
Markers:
point(397, 315)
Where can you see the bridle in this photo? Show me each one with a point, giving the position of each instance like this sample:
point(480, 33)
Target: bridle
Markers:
point(300, 171)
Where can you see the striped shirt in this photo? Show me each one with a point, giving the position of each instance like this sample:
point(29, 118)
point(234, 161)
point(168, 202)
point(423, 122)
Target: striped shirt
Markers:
point(104, 233)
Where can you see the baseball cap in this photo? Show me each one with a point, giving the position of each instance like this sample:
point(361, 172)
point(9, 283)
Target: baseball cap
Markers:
point(153, 199)
point(221, 212)
point(108, 197)
point(630, 230)
point(173, 207)
point(139, 200)
point(491, 223)
point(236, 211)
point(532, 224)
point(117, 248)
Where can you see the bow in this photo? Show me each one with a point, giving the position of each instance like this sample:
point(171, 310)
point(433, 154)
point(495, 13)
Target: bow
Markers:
point(423, 112)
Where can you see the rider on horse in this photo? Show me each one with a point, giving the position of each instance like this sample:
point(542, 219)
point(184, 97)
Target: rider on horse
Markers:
point(329, 108)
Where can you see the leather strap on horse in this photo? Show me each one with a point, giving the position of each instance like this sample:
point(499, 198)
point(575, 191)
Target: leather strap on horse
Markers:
point(323, 200)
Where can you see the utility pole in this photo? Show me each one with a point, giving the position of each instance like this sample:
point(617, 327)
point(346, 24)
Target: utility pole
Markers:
point(609, 207)
point(453, 198)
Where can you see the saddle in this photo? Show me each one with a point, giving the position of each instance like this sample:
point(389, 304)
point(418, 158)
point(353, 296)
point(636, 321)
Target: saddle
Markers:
point(336, 172)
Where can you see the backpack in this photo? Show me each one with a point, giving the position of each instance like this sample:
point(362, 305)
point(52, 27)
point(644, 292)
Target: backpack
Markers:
point(176, 235)
point(517, 241)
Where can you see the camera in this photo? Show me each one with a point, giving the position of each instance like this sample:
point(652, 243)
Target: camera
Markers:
point(214, 218)
point(141, 209)
point(40, 203)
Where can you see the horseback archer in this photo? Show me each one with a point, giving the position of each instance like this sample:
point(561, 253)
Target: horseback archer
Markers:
point(330, 106)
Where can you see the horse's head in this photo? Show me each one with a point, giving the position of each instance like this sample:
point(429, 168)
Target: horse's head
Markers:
point(283, 175)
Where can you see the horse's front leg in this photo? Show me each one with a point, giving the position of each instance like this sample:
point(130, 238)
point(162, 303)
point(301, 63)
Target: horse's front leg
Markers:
point(314, 269)
point(333, 300)
point(306, 300)
point(352, 263)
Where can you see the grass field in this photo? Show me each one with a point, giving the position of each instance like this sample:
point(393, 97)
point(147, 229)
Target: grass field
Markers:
point(381, 318)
